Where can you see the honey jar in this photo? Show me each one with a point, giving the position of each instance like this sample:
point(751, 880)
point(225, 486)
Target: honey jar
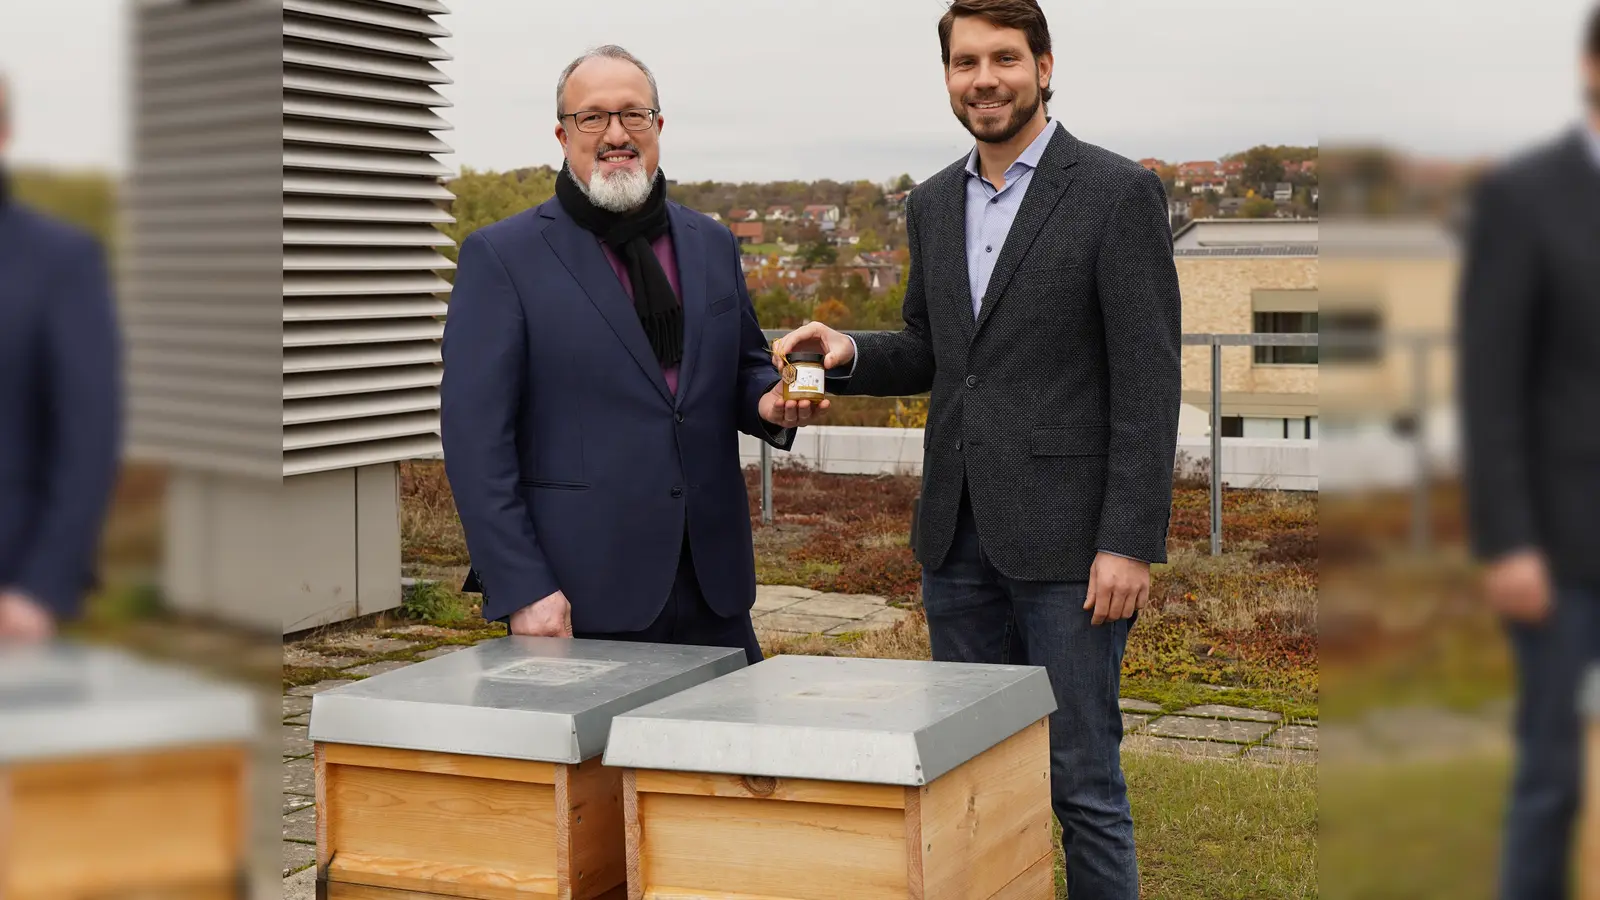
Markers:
point(803, 376)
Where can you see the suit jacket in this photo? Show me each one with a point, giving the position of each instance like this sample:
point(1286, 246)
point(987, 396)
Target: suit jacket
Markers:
point(1529, 326)
point(574, 468)
point(1057, 409)
point(60, 406)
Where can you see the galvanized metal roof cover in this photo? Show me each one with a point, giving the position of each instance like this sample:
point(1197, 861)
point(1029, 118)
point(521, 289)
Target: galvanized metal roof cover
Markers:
point(874, 721)
point(68, 700)
point(546, 699)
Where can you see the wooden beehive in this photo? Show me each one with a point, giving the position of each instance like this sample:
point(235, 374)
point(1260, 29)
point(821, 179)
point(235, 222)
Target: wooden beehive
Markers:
point(809, 778)
point(478, 774)
point(1588, 843)
point(120, 778)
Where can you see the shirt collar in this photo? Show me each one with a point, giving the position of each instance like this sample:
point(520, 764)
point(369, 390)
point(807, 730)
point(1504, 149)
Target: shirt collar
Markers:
point(1591, 136)
point(1030, 157)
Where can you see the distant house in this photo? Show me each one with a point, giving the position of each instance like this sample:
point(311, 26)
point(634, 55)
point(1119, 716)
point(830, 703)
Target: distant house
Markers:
point(1201, 185)
point(1283, 193)
point(749, 232)
point(1191, 171)
point(1152, 164)
point(821, 213)
point(781, 214)
point(715, 217)
point(744, 215)
point(1231, 206)
point(1233, 171)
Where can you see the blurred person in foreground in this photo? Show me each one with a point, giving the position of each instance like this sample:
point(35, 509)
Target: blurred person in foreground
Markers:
point(1530, 383)
point(601, 358)
point(1042, 311)
point(59, 412)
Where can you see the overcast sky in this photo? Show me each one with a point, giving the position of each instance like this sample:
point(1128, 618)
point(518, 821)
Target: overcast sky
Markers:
point(847, 89)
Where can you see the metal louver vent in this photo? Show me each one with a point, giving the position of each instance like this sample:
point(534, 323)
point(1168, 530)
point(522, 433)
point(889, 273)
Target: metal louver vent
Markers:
point(362, 304)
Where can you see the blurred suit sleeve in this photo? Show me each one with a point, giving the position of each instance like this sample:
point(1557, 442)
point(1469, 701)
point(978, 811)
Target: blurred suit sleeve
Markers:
point(1498, 315)
point(81, 429)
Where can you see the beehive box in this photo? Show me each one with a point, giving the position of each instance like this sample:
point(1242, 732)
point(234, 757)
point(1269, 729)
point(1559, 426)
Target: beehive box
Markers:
point(807, 778)
point(478, 774)
point(120, 778)
point(1589, 838)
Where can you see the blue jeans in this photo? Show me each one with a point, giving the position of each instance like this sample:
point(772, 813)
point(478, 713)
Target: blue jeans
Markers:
point(1551, 660)
point(977, 615)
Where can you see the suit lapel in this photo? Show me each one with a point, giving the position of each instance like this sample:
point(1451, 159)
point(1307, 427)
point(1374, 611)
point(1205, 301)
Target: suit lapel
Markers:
point(1049, 183)
point(690, 252)
point(580, 252)
point(949, 242)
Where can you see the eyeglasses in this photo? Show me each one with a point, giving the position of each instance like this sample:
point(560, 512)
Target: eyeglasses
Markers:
point(594, 121)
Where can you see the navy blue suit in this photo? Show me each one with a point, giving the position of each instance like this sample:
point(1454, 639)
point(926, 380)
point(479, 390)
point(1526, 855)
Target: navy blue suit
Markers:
point(573, 465)
point(60, 407)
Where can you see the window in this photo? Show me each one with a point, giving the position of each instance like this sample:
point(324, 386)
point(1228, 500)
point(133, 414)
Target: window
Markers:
point(1358, 324)
point(1286, 323)
point(1233, 426)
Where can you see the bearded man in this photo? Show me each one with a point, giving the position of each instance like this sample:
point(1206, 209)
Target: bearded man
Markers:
point(601, 357)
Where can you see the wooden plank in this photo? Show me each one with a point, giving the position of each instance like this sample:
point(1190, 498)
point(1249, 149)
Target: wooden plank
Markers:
point(987, 821)
point(155, 822)
point(321, 774)
point(474, 882)
point(442, 763)
point(591, 844)
point(914, 875)
point(634, 834)
point(681, 894)
point(440, 826)
point(798, 851)
point(1037, 883)
point(344, 891)
point(7, 861)
point(797, 790)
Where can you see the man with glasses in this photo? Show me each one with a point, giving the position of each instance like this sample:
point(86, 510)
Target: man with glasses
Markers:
point(1530, 373)
point(601, 357)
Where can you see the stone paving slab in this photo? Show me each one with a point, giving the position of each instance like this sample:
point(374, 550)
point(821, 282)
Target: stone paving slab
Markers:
point(1298, 737)
point(307, 690)
point(1140, 706)
point(367, 646)
point(297, 856)
point(770, 598)
point(301, 825)
point(295, 741)
point(1209, 729)
point(798, 624)
point(301, 885)
point(293, 802)
point(299, 777)
point(296, 706)
point(886, 617)
point(1218, 711)
point(298, 720)
point(839, 606)
point(1280, 756)
point(1144, 743)
point(437, 652)
point(378, 668)
point(1132, 722)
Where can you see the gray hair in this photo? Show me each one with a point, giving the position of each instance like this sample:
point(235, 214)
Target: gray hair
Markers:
point(609, 51)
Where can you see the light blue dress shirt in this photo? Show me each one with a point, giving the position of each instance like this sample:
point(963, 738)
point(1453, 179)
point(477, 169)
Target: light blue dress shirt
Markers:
point(991, 211)
point(1593, 134)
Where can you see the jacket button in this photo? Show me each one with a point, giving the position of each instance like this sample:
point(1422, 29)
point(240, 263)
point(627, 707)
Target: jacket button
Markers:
point(677, 491)
point(680, 417)
point(958, 443)
point(972, 381)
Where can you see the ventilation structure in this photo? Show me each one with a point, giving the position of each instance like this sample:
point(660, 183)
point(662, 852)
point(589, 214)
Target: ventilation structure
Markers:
point(284, 290)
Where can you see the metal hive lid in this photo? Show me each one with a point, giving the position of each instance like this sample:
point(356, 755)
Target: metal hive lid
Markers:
point(875, 721)
point(546, 699)
point(68, 700)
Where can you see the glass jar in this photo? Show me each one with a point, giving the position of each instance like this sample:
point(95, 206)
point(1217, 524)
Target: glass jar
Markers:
point(803, 376)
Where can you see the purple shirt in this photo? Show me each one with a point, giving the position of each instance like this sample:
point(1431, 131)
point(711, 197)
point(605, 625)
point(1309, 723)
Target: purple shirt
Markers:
point(669, 262)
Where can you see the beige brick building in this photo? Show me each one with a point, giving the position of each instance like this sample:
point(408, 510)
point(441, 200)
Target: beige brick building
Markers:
point(1247, 277)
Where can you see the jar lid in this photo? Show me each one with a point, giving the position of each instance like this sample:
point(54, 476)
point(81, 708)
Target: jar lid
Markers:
point(805, 356)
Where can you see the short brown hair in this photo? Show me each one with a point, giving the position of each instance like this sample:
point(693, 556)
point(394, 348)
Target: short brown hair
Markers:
point(1023, 15)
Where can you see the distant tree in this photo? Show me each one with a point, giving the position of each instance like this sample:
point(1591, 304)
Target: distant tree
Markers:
point(870, 242)
point(833, 313)
point(1258, 208)
point(87, 200)
point(776, 308)
point(818, 253)
point(483, 198)
point(903, 184)
point(1262, 165)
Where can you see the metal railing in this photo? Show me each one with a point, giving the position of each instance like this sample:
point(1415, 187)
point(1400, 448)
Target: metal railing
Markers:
point(1216, 342)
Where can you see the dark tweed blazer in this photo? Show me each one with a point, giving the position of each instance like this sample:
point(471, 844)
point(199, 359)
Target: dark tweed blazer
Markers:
point(1057, 408)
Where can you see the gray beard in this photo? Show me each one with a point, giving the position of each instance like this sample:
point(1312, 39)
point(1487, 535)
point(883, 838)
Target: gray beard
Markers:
point(621, 193)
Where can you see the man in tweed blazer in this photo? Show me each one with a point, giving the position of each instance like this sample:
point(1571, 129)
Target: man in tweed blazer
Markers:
point(1042, 312)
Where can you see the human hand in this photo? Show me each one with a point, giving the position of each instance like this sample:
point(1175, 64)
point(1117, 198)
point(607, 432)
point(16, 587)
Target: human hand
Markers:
point(1117, 587)
point(549, 617)
point(836, 348)
point(24, 619)
point(790, 413)
point(1518, 587)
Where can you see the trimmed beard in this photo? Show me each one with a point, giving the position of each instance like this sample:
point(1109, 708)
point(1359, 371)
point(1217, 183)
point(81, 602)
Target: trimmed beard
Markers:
point(1020, 117)
point(621, 192)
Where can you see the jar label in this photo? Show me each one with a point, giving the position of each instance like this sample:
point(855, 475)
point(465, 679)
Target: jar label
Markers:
point(807, 379)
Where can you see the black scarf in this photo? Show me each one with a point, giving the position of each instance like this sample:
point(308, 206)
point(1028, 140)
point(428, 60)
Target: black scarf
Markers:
point(5, 186)
point(630, 235)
